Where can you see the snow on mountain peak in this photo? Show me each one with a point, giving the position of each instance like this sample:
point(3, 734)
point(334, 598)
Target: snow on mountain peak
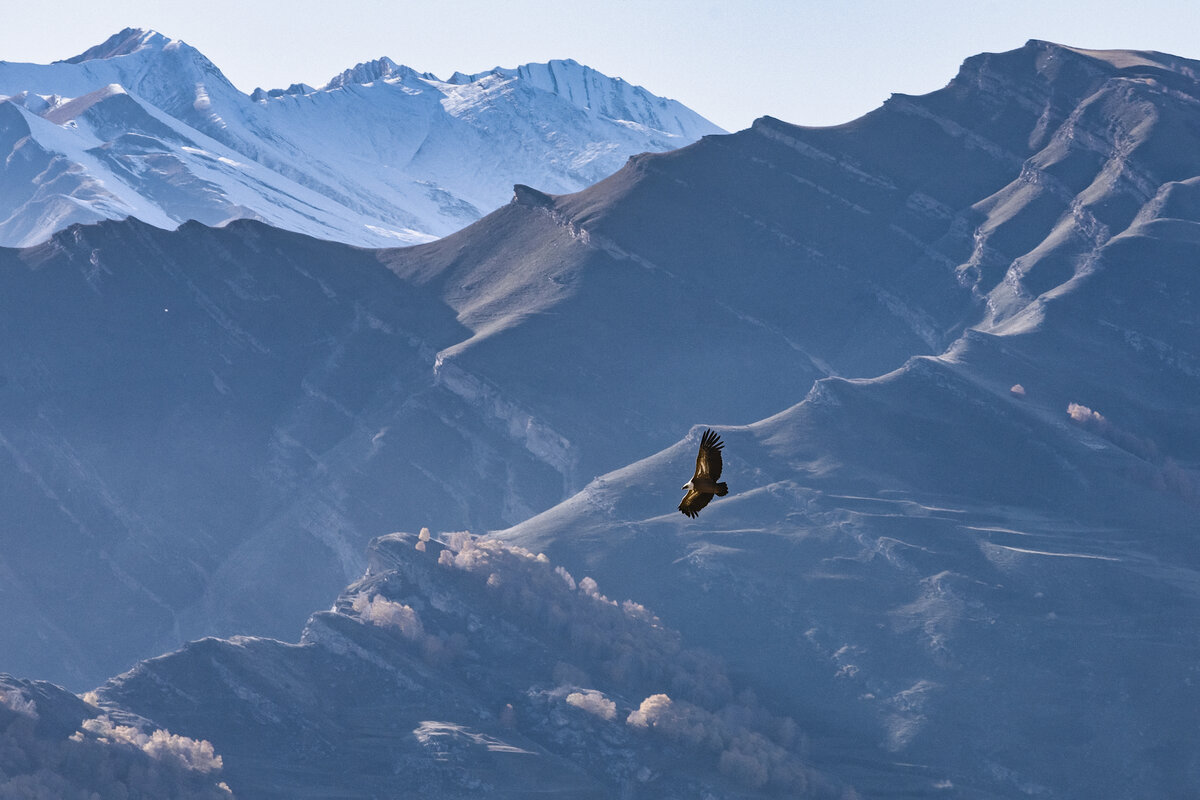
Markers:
point(147, 63)
point(614, 98)
point(126, 42)
point(364, 72)
point(570, 80)
point(371, 71)
point(260, 95)
point(413, 159)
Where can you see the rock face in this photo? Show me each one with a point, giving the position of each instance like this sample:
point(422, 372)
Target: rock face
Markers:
point(949, 584)
point(146, 126)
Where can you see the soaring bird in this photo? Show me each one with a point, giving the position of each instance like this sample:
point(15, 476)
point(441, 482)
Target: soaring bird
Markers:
point(703, 485)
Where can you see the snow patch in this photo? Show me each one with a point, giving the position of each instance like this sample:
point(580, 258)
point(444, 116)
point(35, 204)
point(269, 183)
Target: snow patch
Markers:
point(433, 733)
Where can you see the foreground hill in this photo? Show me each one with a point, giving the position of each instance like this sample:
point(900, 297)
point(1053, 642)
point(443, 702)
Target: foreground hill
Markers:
point(464, 667)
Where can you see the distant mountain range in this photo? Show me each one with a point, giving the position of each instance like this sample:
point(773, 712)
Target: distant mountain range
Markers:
point(952, 348)
point(146, 126)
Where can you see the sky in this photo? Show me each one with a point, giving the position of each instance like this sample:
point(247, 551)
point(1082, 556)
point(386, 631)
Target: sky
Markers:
point(804, 61)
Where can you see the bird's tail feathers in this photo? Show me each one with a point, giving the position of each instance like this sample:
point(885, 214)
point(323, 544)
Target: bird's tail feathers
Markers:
point(722, 489)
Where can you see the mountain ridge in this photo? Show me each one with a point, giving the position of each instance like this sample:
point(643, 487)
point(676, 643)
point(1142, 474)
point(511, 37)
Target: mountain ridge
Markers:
point(1027, 490)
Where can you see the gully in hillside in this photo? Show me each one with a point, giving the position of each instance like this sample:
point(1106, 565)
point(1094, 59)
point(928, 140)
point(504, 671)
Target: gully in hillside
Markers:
point(703, 485)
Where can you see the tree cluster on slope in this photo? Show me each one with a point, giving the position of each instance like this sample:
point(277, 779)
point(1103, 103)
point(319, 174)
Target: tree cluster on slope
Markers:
point(1160, 471)
point(637, 656)
point(100, 760)
point(743, 754)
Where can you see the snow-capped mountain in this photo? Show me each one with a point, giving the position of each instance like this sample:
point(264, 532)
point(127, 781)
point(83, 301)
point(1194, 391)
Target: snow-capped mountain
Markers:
point(962, 561)
point(146, 126)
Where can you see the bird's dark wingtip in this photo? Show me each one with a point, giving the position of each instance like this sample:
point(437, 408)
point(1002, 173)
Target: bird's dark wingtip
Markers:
point(711, 439)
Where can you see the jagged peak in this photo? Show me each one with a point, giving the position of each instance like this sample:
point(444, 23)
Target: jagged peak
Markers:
point(123, 43)
point(587, 88)
point(545, 73)
point(534, 70)
point(525, 70)
point(144, 54)
point(260, 95)
point(153, 52)
point(371, 71)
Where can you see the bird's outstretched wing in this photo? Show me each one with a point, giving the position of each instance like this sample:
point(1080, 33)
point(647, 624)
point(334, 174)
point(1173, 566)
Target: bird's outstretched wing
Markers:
point(708, 460)
point(693, 501)
point(708, 469)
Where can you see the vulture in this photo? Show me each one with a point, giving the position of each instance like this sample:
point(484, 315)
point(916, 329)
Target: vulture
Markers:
point(703, 485)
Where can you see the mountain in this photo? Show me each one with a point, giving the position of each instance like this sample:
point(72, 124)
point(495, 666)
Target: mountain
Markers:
point(146, 126)
point(951, 346)
point(190, 415)
point(979, 570)
point(464, 667)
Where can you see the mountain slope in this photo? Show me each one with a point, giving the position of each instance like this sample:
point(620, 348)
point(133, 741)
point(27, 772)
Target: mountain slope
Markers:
point(463, 667)
point(997, 589)
point(823, 252)
point(381, 155)
point(174, 406)
point(978, 571)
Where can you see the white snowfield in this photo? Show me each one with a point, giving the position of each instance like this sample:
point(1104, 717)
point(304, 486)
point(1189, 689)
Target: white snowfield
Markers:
point(146, 126)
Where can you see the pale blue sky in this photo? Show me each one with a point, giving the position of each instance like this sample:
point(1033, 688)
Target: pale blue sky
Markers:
point(812, 63)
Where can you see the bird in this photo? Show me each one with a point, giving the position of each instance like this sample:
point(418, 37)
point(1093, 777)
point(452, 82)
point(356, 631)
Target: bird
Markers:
point(703, 485)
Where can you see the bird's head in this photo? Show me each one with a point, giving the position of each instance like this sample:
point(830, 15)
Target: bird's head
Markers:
point(687, 487)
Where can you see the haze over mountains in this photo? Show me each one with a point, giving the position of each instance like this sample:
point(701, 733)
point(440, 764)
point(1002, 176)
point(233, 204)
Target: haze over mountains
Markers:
point(142, 125)
point(962, 562)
